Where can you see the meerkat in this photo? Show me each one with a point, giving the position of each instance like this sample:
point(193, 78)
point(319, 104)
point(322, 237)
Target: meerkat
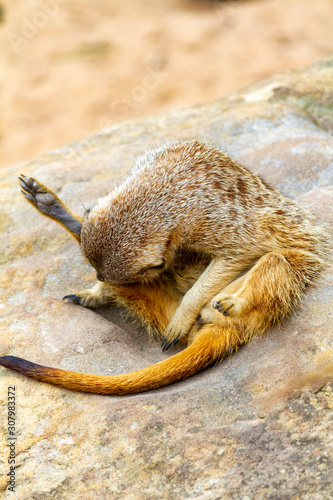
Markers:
point(200, 249)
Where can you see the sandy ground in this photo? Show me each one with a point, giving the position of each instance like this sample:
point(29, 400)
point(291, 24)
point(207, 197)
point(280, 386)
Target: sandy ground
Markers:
point(69, 68)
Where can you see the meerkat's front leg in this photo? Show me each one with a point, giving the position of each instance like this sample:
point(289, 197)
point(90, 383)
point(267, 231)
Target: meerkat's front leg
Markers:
point(48, 203)
point(216, 276)
point(100, 294)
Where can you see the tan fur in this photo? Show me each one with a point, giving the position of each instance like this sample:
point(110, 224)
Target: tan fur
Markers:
point(200, 249)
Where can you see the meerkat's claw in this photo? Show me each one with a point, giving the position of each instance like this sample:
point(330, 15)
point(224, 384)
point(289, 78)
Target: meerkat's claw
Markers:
point(175, 342)
point(29, 185)
point(75, 299)
point(26, 182)
point(166, 345)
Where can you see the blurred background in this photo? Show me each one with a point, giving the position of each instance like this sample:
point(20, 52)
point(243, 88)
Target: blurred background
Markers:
point(72, 67)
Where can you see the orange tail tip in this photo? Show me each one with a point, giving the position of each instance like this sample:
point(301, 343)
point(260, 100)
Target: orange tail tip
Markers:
point(208, 346)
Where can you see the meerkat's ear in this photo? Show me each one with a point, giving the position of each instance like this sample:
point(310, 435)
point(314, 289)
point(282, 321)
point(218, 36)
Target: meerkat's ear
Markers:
point(158, 253)
point(153, 255)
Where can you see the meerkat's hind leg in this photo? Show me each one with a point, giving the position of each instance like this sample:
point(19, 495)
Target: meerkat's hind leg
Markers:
point(48, 203)
point(271, 289)
point(100, 294)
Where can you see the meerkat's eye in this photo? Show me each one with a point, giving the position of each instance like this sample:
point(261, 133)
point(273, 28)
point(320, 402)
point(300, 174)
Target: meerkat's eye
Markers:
point(99, 277)
point(158, 266)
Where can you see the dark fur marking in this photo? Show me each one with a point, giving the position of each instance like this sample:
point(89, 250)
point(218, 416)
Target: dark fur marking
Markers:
point(21, 365)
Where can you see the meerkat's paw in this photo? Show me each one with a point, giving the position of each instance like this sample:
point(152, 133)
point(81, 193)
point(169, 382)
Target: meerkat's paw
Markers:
point(40, 196)
point(208, 315)
point(92, 298)
point(229, 305)
point(75, 299)
point(171, 338)
point(176, 330)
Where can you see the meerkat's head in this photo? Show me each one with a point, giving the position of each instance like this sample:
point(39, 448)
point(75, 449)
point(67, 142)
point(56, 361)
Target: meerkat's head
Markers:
point(125, 248)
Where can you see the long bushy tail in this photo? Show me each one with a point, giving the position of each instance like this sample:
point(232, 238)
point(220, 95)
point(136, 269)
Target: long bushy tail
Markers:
point(210, 344)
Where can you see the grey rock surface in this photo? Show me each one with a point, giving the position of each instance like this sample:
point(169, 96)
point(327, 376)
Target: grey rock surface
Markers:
point(256, 426)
